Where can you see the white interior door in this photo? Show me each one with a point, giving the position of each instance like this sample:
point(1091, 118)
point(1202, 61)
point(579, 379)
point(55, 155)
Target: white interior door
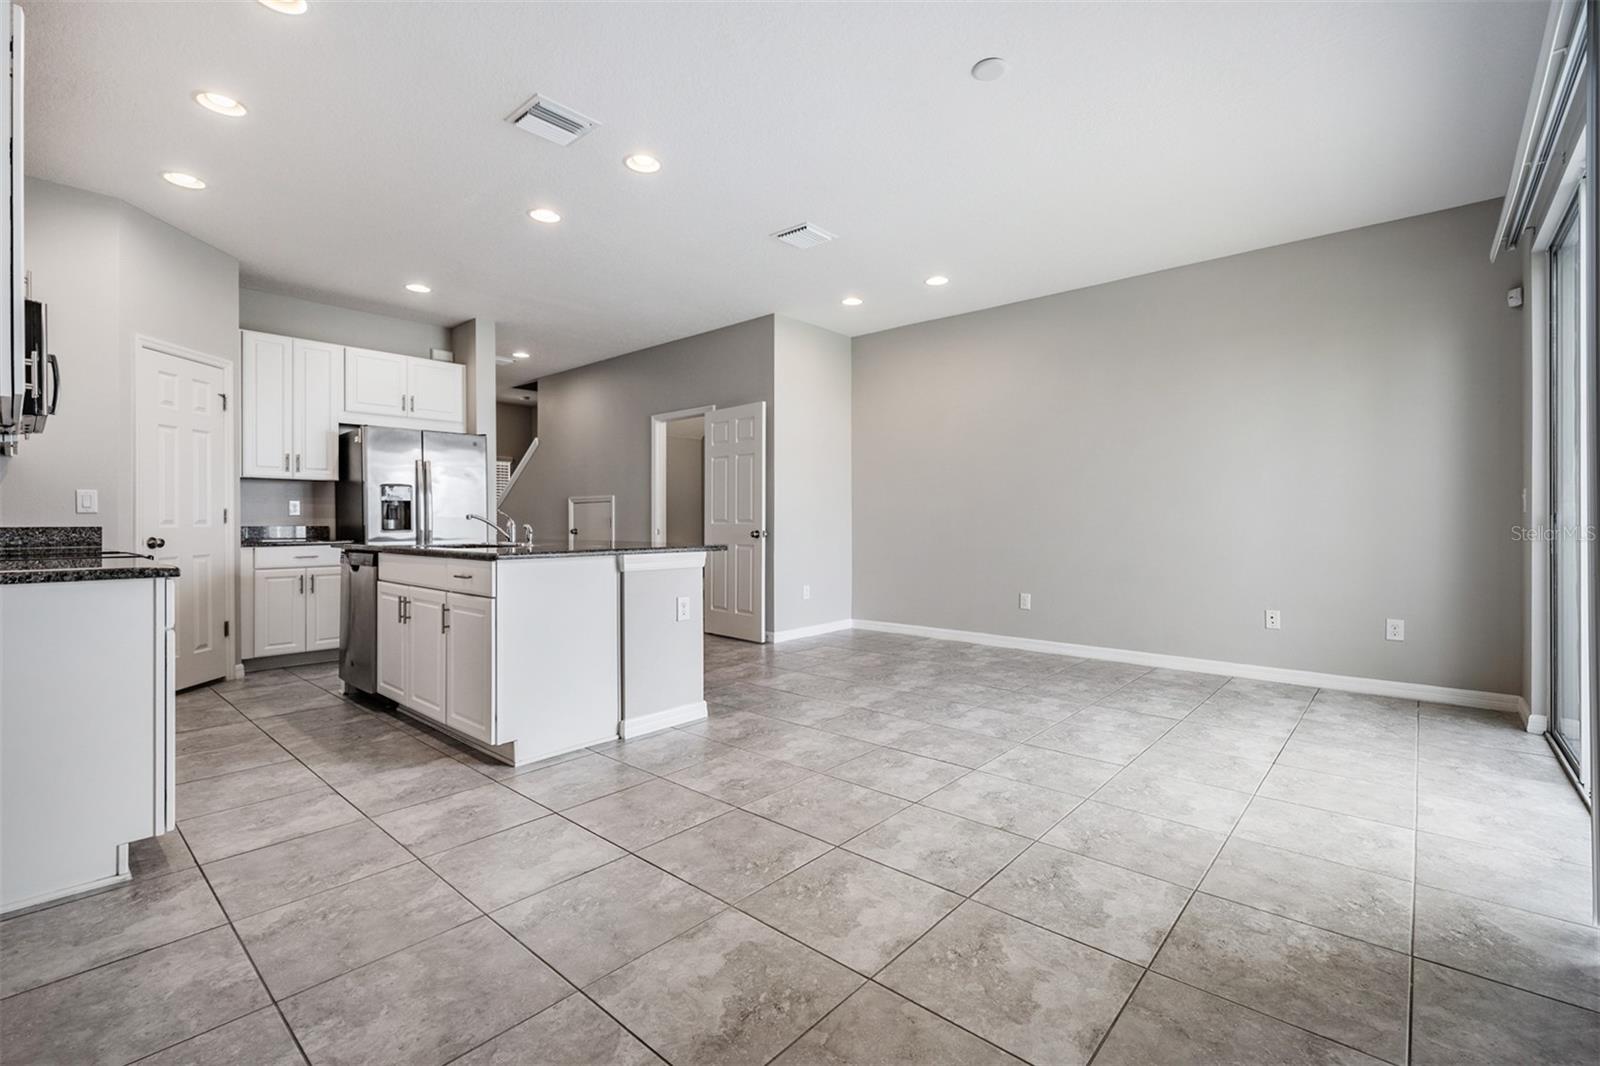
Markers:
point(591, 518)
point(181, 478)
point(736, 516)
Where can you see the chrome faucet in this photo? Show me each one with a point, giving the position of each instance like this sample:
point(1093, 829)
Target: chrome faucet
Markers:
point(499, 533)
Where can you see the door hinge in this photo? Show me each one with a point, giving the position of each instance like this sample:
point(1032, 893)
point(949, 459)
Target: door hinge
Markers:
point(224, 516)
point(224, 400)
point(225, 627)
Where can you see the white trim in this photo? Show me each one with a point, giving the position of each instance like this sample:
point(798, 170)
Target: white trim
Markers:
point(1373, 686)
point(658, 468)
point(522, 464)
point(572, 518)
point(688, 560)
point(659, 720)
point(64, 895)
point(810, 631)
point(1533, 723)
point(232, 651)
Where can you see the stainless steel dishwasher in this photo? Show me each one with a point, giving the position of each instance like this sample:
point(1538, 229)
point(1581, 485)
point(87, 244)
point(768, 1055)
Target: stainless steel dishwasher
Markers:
point(358, 594)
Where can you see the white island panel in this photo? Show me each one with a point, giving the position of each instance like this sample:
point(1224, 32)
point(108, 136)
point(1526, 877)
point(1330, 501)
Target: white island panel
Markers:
point(663, 638)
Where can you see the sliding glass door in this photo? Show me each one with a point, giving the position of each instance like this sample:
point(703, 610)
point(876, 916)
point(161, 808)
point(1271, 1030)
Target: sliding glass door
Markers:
point(1571, 510)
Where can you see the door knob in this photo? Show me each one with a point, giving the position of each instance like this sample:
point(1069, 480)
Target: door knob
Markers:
point(154, 542)
point(758, 533)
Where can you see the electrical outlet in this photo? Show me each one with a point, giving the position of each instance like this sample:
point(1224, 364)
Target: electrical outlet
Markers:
point(88, 501)
point(683, 608)
point(805, 592)
point(1024, 601)
point(1274, 619)
point(294, 508)
point(1395, 629)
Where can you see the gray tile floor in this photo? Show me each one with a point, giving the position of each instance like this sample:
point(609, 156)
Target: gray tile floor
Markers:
point(877, 850)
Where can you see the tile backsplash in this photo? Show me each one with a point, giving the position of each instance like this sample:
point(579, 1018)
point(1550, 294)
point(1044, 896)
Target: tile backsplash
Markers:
point(265, 502)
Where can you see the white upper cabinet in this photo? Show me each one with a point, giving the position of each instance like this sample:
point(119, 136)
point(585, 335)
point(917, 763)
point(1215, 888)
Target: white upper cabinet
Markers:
point(374, 383)
point(318, 399)
point(436, 390)
point(292, 395)
point(267, 417)
point(386, 389)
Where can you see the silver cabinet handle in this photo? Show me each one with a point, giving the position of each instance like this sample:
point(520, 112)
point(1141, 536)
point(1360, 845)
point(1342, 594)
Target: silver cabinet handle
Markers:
point(286, 460)
point(313, 584)
point(462, 577)
point(444, 618)
point(305, 556)
point(400, 610)
point(297, 464)
point(302, 584)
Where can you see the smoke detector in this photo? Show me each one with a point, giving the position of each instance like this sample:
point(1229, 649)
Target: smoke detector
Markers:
point(555, 122)
point(805, 235)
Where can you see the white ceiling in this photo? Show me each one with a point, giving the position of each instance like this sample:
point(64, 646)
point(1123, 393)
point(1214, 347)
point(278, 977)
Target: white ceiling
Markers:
point(1127, 138)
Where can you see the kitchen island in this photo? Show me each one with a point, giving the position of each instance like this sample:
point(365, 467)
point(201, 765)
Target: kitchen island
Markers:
point(534, 650)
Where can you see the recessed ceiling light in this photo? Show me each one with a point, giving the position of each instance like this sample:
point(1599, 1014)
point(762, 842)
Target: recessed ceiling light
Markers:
point(519, 355)
point(221, 104)
point(417, 286)
point(640, 163)
point(851, 301)
point(545, 215)
point(182, 180)
point(937, 280)
point(285, 7)
point(992, 69)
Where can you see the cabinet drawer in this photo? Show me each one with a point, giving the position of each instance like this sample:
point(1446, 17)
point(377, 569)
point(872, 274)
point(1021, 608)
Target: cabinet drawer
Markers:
point(474, 576)
point(296, 556)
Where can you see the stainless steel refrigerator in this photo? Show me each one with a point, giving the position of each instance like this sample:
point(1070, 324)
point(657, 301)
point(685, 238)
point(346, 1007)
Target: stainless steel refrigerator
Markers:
point(409, 486)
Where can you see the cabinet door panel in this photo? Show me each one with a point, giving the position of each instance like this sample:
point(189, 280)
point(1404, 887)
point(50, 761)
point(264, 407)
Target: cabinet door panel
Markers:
point(267, 405)
point(425, 648)
point(318, 399)
point(375, 382)
point(322, 608)
point(436, 390)
point(280, 612)
point(392, 649)
point(470, 707)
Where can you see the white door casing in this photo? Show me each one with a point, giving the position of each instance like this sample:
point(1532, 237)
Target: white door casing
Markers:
point(736, 516)
point(591, 518)
point(183, 477)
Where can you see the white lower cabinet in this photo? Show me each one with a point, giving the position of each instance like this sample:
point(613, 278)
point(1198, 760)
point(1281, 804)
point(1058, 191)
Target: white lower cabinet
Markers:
point(469, 706)
point(280, 612)
point(296, 610)
point(436, 656)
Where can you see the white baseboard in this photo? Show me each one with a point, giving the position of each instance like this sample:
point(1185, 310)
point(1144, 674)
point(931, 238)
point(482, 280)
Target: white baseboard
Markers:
point(659, 720)
point(1533, 723)
point(810, 631)
point(1372, 686)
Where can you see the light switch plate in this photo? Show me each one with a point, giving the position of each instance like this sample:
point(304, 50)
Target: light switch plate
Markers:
point(1024, 601)
point(88, 501)
point(683, 608)
point(805, 592)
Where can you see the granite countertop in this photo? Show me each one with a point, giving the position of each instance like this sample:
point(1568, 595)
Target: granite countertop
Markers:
point(37, 555)
point(540, 550)
point(270, 536)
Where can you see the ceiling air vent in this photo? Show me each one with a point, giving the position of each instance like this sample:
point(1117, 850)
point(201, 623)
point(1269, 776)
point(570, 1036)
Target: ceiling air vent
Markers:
point(804, 235)
point(552, 121)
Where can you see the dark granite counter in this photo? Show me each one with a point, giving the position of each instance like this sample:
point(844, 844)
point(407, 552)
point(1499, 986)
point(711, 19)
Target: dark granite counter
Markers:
point(36, 555)
point(269, 536)
point(539, 550)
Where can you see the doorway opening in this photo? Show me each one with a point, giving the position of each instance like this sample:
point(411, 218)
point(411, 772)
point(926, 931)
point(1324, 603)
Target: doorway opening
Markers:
point(675, 438)
point(592, 518)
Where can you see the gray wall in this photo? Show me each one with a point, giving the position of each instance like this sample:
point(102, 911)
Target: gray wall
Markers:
point(265, 502)
point(513, 430)
point(1329, 428)
point(811, 525)
point(594, 423)
point(270, 312)
point(108, 272)
point(686, 490)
